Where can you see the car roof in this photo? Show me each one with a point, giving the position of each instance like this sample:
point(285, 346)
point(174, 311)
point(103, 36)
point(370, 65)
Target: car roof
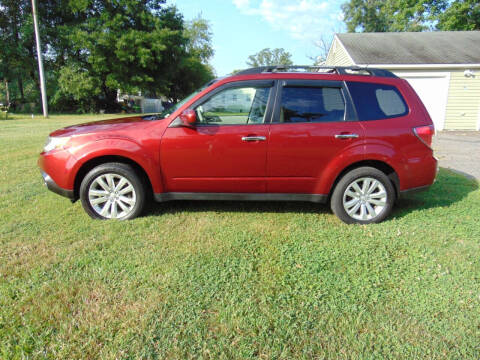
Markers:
point(306, 69)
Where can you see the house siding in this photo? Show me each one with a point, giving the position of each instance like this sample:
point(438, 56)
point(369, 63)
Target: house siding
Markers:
point(463, 104)
point(338, 56)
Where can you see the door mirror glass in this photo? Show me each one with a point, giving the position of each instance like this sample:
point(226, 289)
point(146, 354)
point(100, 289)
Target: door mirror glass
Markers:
point(188, 118)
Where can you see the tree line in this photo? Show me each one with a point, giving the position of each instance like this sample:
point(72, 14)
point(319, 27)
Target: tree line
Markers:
point(411, 15)
point(92, 48)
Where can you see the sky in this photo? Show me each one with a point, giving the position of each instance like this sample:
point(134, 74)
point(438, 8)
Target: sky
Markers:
point(244, 27)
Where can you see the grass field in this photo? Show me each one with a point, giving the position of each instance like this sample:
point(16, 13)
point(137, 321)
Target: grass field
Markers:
point(225, 280)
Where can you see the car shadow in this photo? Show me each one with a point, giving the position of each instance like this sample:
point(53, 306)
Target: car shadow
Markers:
point(174, 207)
point(449, 188)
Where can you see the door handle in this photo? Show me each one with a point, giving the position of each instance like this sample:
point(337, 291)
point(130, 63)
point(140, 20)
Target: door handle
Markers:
point(254, 138)
point(346, 136)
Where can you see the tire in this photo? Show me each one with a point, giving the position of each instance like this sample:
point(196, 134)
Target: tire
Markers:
point(363, 196)
point(113, 191)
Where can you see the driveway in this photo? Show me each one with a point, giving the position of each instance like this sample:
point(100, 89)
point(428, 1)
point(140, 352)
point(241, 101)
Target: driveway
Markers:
point(459, 151)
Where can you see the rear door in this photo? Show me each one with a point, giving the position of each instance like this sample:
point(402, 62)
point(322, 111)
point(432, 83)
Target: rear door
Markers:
point(313, 123)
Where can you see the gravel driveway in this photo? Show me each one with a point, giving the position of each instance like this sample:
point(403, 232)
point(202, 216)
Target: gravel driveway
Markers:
point(459, 151)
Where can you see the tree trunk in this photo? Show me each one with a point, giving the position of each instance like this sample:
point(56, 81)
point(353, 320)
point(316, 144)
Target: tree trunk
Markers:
point(7, 91)
point(109, 102)
point(20, 88)
point(17, 39)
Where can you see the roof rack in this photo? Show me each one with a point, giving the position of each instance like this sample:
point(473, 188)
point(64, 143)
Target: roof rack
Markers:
point(341, 70)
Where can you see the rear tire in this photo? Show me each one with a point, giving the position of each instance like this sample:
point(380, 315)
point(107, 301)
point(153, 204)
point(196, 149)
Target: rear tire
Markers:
point(363, 196)
point(113, 191)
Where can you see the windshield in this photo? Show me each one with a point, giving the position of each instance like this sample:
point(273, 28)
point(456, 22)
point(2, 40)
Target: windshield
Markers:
point(173, 108)
point(165, 113)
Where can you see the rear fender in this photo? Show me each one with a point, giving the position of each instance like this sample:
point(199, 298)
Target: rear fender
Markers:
point(376, 152)
point(335, 167)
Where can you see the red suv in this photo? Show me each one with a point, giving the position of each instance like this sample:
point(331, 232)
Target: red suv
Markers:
point(357, 138)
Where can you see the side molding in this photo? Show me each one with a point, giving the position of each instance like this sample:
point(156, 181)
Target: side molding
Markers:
point(315, 198)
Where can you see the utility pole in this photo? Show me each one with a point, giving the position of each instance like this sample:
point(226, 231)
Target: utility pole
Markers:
point(43, 89)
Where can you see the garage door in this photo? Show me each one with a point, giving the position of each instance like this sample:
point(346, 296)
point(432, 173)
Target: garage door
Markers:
point(433, 90)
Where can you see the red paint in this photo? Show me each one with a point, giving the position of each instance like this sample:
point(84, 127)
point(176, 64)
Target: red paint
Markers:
point(294, 158)
point(214, 159)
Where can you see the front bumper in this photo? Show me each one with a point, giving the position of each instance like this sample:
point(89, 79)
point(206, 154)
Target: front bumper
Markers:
point(52, 186)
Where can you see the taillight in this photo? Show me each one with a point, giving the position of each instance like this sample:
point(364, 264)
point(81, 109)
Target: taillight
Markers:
point(425, 134)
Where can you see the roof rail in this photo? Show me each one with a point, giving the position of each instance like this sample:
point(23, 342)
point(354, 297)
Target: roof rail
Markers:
point(341, 70)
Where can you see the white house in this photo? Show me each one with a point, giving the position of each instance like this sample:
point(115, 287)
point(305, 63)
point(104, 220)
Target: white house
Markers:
point(442, 66)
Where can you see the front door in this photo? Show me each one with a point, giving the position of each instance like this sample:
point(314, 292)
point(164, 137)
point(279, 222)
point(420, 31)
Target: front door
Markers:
point(226, 150)
point(312, 125)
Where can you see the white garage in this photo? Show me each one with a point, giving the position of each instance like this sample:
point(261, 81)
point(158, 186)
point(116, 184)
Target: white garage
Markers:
point(442, 66)
point(433, 90)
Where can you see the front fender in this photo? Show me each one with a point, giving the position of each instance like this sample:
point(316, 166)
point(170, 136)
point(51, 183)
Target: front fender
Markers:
point(147, 159)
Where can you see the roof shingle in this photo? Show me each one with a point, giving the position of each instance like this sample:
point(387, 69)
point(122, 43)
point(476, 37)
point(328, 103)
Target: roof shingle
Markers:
point(438, 47)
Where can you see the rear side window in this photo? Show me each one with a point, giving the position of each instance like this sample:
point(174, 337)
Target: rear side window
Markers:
point(377, 101)
point(311, 104)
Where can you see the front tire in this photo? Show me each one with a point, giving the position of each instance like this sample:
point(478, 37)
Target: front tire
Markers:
point(113, 191)
point(362, 196)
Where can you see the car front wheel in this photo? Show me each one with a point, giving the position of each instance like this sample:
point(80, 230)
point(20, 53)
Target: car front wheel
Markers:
point(364, 195)
point(112, 191)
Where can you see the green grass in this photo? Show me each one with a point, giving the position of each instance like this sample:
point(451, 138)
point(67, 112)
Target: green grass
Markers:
point(225, 280)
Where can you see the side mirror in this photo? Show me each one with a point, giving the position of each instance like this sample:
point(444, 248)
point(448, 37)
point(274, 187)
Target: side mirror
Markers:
point(188, 118)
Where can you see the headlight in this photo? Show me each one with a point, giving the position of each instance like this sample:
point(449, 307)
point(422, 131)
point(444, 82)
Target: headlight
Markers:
point(55, 143)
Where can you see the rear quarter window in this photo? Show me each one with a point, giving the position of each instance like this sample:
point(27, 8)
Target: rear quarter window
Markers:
point(377, 101)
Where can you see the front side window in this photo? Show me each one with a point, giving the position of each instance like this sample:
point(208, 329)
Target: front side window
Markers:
point(234, 106)
point(377, 101)
point(311, 104)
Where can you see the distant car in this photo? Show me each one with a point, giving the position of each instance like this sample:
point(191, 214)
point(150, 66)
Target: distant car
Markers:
point(355, 138)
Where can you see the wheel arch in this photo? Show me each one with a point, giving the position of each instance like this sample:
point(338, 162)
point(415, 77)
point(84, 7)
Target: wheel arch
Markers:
point(92, 163)
point(377, 164)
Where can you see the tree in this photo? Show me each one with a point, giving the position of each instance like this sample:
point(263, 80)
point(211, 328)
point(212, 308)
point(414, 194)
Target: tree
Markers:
point(461, 15)
point(94, 47)
point(323, 46)
point(199, 36)
point(391, 15)
point(15, 25)
point(267, 57)
point(130, 45)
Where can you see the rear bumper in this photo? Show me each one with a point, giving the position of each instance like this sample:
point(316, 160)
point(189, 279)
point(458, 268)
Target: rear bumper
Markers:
point(52, 186)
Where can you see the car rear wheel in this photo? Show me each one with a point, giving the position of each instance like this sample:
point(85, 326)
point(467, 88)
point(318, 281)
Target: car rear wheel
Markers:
point(364, 195)
point(112, 191)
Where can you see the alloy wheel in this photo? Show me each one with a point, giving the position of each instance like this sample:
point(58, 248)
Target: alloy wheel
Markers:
point(112, 196)
point(364, 198)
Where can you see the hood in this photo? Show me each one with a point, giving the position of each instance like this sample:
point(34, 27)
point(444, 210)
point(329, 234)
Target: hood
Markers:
point(119, 124)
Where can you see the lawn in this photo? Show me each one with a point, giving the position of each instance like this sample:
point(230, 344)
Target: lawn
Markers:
point(226, 280)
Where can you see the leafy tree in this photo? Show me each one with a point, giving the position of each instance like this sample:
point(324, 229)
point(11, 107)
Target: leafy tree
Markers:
point(94, 47)
point(461, 15)
point(128, 45)
point(267, 57)
point(14, 29)
point(199, 36)
point(391, 15)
